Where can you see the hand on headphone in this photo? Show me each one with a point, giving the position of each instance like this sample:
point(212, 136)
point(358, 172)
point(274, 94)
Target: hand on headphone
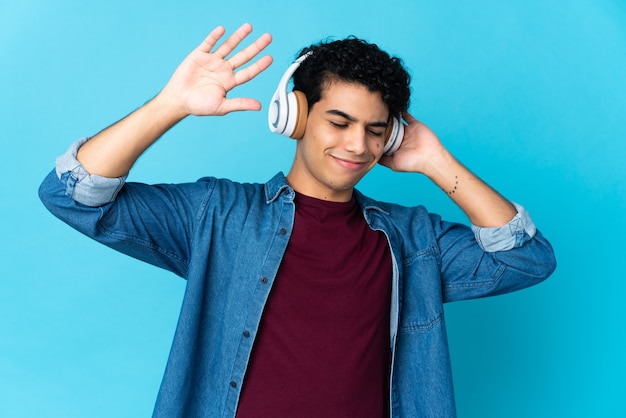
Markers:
point(200, 84)
point(419, 148)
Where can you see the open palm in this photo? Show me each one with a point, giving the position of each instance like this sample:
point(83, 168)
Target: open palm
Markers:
point(201, 83)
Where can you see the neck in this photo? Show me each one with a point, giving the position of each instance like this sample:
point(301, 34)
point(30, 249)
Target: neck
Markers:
point(308, 187)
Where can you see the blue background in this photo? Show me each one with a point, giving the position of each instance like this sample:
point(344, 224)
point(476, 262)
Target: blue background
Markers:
point(530, 95)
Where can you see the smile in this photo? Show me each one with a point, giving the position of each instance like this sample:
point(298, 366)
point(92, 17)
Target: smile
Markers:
point(350, 164)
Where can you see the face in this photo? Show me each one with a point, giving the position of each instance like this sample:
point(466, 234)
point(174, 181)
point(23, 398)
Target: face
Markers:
point(343, 140)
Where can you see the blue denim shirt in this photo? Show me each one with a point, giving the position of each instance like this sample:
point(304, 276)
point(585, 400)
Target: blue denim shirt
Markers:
point(227, 239)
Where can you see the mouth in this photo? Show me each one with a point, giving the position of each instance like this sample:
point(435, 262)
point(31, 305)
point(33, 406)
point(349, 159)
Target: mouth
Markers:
point(351, 164)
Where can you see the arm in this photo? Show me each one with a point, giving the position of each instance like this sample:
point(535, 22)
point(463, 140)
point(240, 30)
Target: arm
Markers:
point(503, 251)
point(198, 87)
point(422, 152)
point(152, 223)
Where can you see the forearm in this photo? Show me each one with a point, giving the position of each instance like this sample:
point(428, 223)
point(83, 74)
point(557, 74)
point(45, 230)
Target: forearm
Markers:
point(113, 151)
point(484, 206)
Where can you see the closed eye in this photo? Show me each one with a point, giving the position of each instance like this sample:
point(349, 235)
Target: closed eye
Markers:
point(338, 125)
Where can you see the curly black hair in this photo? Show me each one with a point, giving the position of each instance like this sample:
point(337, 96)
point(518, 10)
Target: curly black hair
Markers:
point(354, 60)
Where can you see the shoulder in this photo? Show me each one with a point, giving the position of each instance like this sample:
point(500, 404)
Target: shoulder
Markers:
point(394, 212)
point(226, 188)
point(411, 224)
point(231, 192)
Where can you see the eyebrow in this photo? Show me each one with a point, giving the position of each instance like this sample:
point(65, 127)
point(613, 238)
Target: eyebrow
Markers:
point(353, 119)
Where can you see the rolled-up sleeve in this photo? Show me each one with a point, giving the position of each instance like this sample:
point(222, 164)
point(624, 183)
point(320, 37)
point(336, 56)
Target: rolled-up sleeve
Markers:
point(515, 233)
point(88, 189)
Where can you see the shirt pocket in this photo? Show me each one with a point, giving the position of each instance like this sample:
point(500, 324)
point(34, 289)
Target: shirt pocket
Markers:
point(421, 307)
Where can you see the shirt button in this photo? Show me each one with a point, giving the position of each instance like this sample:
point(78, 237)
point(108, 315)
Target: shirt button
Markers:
point(263, 280)
point(246, 333)
point(233, 384)
point(283, 231)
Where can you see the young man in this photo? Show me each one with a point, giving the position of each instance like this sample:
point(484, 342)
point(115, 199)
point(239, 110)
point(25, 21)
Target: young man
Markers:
point(304, 297)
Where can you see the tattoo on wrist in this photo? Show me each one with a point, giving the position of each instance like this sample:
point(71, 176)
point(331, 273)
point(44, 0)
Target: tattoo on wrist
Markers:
point(456, 184)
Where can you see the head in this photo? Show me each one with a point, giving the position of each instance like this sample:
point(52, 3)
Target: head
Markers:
point(355, 61)
point(353, 90)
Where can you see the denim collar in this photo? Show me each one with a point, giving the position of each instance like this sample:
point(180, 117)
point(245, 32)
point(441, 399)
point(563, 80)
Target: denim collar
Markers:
point(278, 186)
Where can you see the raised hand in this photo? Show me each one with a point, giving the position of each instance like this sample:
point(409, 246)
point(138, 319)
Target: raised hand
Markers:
point(198, 87)
point(201, 83)
point(419, 149)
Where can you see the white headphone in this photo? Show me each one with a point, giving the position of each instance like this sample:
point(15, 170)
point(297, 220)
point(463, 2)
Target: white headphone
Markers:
point(288, 112)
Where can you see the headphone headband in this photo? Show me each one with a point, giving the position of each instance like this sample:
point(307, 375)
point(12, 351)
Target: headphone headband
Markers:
point(278, 115)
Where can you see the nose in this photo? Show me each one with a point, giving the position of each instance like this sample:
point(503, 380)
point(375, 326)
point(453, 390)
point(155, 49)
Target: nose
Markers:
point(356, 140)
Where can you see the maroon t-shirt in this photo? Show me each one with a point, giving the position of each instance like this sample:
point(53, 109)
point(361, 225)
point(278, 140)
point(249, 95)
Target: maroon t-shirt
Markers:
point(323, 347)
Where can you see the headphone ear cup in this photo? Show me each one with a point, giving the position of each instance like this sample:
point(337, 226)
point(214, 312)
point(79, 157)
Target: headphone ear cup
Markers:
point(301, 113)
point(394, 136)
point(295, 115)
point(288, 112)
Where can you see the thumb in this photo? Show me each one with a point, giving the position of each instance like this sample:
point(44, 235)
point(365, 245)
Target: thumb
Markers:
point(239, 104)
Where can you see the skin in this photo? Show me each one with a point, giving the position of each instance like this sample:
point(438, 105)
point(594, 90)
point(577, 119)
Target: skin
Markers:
point(343, 140)
point(340, 145)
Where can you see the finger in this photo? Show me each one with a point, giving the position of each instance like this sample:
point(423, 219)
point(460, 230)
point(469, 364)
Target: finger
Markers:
point(210, 41)
point(251, 51)
point(233, 40)
point(254, 69)
point(239, 104)
point(409, 118)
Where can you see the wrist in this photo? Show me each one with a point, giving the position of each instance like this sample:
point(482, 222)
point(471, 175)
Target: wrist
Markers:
point(169, 107)
point(441, 165)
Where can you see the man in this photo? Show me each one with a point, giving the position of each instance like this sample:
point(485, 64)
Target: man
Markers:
point(353, 324)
